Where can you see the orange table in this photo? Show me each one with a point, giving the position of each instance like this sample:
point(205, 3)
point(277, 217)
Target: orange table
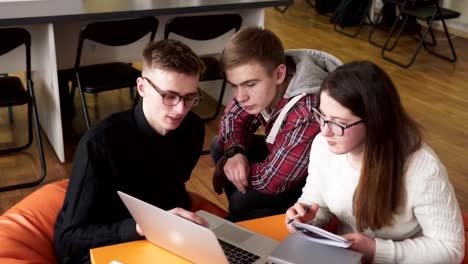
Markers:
point(143, 251)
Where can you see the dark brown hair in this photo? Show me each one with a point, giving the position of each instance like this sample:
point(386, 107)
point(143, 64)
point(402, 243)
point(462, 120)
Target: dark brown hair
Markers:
point(391, 137)
point(253, 44)
point(172, 55)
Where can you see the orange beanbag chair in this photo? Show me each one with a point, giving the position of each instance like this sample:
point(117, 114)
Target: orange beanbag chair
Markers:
point(26, 229)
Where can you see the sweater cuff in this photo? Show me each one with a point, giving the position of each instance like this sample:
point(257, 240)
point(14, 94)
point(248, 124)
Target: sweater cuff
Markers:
point(384, 251)
point(127, 230)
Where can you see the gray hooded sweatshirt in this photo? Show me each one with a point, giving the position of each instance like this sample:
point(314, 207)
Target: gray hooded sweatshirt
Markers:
point(312, 67)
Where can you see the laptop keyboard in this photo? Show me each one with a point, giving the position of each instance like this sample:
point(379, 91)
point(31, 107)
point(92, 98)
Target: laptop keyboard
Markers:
point(237, 255)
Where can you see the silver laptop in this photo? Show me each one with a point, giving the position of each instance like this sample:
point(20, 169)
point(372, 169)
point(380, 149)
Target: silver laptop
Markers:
point(222, 242)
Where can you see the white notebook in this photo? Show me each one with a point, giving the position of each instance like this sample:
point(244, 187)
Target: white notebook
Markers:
point(319, 235)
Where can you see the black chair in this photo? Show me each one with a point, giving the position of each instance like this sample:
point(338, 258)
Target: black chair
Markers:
point(13, 93)
point(354, 11)
point(397, 5)
point(427, 11)
point(283, 9)
point(114, 75)
point(10, 109)
point(204, 28)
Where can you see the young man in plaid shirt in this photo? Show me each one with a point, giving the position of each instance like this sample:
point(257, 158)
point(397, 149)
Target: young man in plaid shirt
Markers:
point(264, 175)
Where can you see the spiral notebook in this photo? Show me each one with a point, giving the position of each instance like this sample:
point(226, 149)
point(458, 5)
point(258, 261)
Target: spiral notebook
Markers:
point(319, 235)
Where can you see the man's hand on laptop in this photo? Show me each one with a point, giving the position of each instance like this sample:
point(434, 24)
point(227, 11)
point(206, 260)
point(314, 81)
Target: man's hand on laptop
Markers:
point(189, 216)
point(184, 214)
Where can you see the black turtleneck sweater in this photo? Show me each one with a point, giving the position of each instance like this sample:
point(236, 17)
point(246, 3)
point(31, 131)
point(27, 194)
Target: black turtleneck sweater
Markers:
point(123, 153)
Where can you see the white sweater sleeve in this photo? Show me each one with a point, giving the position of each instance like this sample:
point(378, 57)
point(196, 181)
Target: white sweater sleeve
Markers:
point(311, 191)
point(437, 211)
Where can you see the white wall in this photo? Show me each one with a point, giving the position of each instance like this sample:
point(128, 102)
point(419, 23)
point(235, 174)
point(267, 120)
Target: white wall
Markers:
point(460, 24)
point(458, 5)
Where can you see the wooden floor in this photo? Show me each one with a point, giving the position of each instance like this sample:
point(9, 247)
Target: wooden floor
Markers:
point(434, 92)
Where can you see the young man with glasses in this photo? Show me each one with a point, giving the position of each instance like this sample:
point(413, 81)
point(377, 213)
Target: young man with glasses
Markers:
point(148, 152)
point(275, 89)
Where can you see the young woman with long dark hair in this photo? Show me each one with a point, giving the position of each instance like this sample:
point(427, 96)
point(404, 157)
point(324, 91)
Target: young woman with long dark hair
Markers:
point(371, 169)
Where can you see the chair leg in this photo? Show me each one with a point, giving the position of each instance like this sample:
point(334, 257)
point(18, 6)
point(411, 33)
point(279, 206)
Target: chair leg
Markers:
point(285, 8)
point(401, 7)
point(427, 43)
point(374, 25)
point(395, 23)
point(351, 35)
point(218, 109)
point(282, 10)
point(96, 108)
point(385, 48)
point(11, 116)
point(40, 147)
point(83, 102)
point(413, 58)
point(28, 143)
point(452, 49)
point(433, 38)
point(218, 105)
point(30, 118)
point(361, 23)
point(398, 34)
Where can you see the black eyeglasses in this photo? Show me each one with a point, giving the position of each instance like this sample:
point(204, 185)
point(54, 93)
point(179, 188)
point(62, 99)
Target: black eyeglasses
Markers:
point(171, 99)
point(336, 128)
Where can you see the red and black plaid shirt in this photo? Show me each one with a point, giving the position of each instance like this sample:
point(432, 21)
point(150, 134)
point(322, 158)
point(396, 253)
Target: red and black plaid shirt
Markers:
point(287, 163)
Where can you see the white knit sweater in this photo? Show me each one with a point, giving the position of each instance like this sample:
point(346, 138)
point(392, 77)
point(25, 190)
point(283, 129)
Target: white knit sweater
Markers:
point(429, 228)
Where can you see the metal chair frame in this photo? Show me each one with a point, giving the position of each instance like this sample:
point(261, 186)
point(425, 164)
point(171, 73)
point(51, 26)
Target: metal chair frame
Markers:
point(399, 4)
point(437, 14)
point(15, 37)
point(111, 33)
point(285, 8)
point(205, 28)
point(340, 30)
